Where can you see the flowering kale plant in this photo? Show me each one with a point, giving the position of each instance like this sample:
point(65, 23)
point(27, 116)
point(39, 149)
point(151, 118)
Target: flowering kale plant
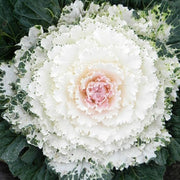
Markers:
point(94, 92)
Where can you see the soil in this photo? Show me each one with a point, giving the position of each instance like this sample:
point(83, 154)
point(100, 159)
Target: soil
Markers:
point(173, 172)
point(5, 173)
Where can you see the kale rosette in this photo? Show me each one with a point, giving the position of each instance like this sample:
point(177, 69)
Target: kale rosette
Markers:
point(93, 92)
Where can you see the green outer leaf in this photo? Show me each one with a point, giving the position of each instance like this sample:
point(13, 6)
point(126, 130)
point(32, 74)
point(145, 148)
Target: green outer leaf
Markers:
point(31, 172)
point(162, 156)
point(174, 128)
point(10, 30)
point(142, 172)
point(17, 16)
point(12, 151)
point(39, 12)
point(136, 4)
point(30, 155)
point(25, 161)
point(174, 150)
point(174, 40)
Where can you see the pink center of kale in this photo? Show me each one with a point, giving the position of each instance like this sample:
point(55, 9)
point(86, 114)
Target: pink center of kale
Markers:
point(99, 91)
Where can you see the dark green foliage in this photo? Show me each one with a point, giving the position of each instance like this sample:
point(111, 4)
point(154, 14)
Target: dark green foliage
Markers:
point(136, 4)
point(10, 31)
point(40, 12)
point(17, 16)
point(142, 172)
point(174, 128)
point(25, 161)
point(162, 156)
point(174, 40)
